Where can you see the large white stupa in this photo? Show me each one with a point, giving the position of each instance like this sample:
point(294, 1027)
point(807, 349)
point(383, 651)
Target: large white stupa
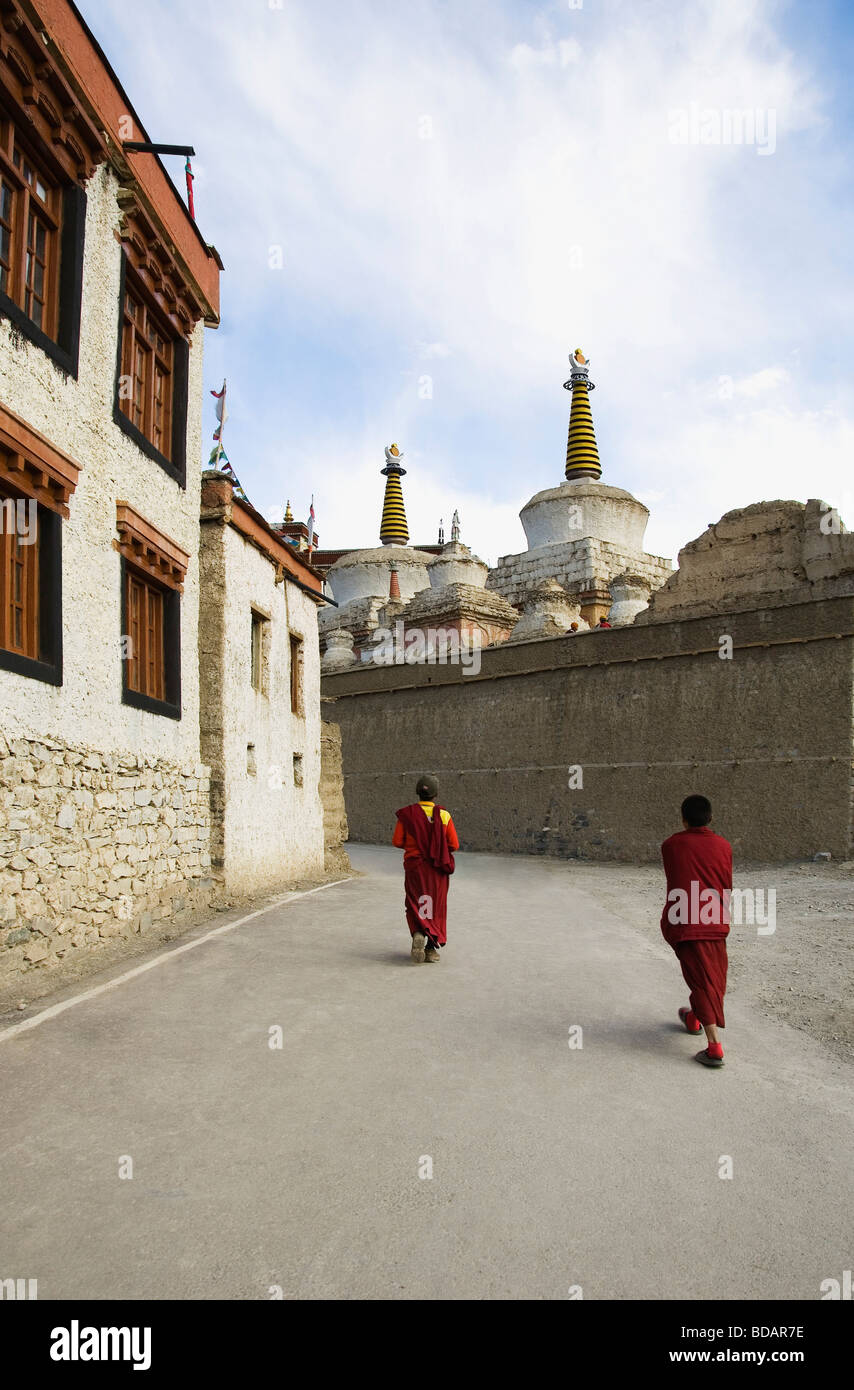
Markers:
point(582, 533)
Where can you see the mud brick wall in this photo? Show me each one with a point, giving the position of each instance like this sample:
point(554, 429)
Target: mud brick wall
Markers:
point(649, 714)
point(335, 830)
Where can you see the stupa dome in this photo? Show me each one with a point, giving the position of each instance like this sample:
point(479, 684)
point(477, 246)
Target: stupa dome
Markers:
point(365, 573)
point(574, 510)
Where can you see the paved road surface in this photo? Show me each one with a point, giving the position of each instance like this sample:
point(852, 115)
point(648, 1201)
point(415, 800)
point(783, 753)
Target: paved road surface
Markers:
point(552, 1167)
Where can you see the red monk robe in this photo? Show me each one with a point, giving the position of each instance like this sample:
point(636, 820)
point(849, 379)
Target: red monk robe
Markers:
point(695, 921)
point(426, 834)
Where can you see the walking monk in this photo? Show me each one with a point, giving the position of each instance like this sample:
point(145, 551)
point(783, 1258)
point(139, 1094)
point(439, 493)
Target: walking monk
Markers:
point(695, 920)
point(426, 834)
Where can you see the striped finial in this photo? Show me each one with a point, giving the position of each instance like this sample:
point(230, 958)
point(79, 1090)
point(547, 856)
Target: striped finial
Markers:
point(393, 528)
point(582, 455)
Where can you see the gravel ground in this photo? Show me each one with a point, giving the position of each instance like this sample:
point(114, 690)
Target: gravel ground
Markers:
point(802, 973)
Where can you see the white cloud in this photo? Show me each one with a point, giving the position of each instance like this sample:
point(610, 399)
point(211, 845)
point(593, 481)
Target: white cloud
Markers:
point(569, 51)
point(761, 382)
point(523, 57)
point(434, 349)
point(719, 462)
point(539, 207)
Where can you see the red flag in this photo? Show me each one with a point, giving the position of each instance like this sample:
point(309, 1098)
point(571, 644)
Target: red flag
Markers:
point(189, 173)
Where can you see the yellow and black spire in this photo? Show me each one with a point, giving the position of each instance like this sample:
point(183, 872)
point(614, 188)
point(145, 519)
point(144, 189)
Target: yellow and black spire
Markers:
point(582, 456)
point(393, 528)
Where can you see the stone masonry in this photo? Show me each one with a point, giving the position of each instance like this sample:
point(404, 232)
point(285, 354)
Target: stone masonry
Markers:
point(94, 845)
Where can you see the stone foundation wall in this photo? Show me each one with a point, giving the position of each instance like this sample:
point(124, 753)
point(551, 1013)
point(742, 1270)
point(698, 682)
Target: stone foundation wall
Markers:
point(94, 846)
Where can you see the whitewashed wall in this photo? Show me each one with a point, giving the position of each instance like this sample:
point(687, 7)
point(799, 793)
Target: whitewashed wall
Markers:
point(273, 829)
point(104, 809)
point(77, 416)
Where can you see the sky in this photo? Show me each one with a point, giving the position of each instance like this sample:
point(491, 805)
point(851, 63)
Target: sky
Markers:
point(424, 207)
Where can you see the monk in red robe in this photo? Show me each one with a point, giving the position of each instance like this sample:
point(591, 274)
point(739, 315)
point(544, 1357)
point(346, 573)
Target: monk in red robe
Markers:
point(695, 920)
point(426, 834)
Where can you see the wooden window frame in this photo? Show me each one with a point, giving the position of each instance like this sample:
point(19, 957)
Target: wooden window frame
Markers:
point(145, 339)
point(40, 654)
point(63, 213)
point(296, 673)
point(28, 207)
point(152, 559)
point(169, 657)
point(145, 661)
point(259, 652)
point(173, 462)
point(19, 581)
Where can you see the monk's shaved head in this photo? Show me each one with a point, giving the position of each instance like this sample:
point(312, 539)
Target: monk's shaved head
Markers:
point(696, 811)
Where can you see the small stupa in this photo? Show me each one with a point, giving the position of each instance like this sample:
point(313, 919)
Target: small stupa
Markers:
point(583, 532)
point(363, 574)
point(359, 580)
point(457, 599)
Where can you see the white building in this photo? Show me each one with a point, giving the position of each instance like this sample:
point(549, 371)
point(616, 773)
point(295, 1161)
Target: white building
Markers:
point(105, 287)
point(260, 664)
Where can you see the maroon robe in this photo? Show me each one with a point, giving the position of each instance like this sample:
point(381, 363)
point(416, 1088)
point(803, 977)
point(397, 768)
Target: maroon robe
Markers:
point(425, 875)
point(704, 967)
point(699, 863)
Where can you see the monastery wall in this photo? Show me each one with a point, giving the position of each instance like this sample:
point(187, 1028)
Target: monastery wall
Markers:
point(647, 713)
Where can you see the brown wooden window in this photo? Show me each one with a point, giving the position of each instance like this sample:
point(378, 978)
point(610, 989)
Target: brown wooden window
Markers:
point(19, 577)
point(153, 571)
point(30, 226)
point(257, 649)
point(296, 674)
point(146, 385)
point(146, 656)
point(37, 482)
point(259, 667)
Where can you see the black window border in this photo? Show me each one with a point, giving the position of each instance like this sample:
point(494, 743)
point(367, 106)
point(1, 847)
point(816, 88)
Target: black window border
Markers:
point(176, 467)
point(48, 668)
point(170, 708)
point(65, 351)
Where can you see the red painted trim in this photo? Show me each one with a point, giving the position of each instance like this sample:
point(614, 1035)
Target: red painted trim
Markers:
point(81, 51)
point(246, 520)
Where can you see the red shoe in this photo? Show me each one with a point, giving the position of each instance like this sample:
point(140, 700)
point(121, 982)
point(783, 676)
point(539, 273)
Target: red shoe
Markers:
point(691, 1021)
point(712, 1057)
